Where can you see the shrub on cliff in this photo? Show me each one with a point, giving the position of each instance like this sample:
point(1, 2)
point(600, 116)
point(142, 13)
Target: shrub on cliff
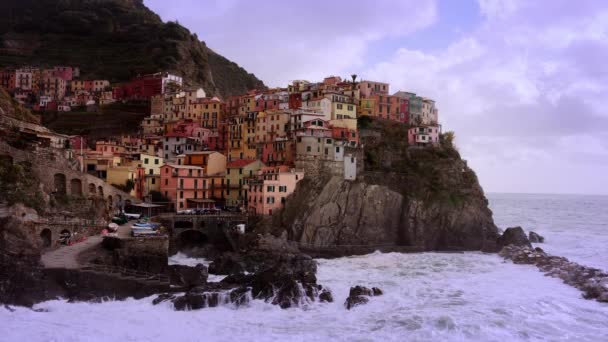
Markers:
point(19, 185)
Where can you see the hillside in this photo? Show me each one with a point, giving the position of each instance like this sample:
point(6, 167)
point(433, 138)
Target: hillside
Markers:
point(424, 198)
point(11, 108)
point(113, 39)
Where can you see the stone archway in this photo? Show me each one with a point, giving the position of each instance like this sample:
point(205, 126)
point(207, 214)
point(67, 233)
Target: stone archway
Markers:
point(100, 190)
point(76, 187)
point(91, 189)
point(59, 181)
point(46, 238)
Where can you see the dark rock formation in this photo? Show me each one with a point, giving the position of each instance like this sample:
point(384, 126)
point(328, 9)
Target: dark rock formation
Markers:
point(360, 295)
point(116, 40)
point(535, 238)
point(513, 236)
point(423, 198)
point(289, 281)
point(187, 276)
point(21, 278)
point(591, 281)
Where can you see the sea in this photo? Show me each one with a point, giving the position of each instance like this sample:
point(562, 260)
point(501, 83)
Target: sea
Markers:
point(427, 296)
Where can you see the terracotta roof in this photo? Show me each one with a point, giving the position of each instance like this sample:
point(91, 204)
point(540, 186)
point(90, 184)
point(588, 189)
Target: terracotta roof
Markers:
point(239, 163)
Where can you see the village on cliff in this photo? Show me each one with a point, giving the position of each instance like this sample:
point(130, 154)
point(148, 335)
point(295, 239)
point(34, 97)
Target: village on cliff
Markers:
point(246, 153)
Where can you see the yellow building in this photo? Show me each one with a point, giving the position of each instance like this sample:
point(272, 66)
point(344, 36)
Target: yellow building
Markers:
point(120, 175)
point(212, 162)
point(236, 172)
point(236, 148)
point(366, 107)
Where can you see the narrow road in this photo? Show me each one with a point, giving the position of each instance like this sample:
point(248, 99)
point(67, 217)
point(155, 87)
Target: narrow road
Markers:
point(67, 256)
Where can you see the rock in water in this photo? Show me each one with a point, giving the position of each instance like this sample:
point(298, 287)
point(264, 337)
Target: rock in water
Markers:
point(286, 280)
point(188, 276)
point(513, 236)
point(359, 295)
point(535, 238)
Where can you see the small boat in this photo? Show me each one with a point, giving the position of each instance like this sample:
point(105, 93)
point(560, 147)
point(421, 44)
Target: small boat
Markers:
point(143, 232)
point(112, 227)
point(132, 216)
point(146, 225)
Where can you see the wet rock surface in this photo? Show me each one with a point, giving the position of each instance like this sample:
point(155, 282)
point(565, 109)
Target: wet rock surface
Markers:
point(188, 276)
point(535, 238)
point(283, 279)
point(513, 236)
point(359, 295)
point(592, 282)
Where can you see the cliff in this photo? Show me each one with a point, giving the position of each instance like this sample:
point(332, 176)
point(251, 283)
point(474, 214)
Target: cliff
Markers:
point(424, 198)
point(113, 39)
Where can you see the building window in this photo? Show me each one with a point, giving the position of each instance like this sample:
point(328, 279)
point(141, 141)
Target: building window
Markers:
point(270, 188)
point(166, 181)
point(181, 204)
point(155, 161)
point(181, 194)
point(282, 188)
point(339, 106)
point(308, 149)
point(145, 160)
point(153, 180)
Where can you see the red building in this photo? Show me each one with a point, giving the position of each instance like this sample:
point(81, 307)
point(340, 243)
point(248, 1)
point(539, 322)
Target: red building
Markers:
point(295, 101)
point(7, 79)
point(141, 87)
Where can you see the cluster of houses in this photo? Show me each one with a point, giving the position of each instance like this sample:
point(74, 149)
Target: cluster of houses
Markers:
point(246, 151)
point(54, 89)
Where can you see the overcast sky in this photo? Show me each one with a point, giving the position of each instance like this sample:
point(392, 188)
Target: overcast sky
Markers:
point(524, 84)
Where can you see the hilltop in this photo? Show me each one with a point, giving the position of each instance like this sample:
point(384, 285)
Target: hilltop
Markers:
point(115, 40)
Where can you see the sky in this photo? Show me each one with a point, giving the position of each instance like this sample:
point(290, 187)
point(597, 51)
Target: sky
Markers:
point(523, 84)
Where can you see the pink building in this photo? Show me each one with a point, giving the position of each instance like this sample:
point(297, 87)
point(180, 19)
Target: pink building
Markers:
point(64, 72)
point(268, 190)
point(369, 88)
point(423, 135)
point(187, 186)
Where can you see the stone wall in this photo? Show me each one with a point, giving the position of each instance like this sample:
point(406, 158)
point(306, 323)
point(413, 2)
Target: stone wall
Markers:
point(148, 254)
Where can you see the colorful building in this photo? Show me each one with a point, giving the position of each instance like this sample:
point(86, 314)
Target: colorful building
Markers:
point(269, 189)
point(237, 172)
point(423, 135)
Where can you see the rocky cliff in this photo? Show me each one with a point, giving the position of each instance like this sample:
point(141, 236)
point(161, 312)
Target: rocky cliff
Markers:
point(426, 198)
point(113, 39)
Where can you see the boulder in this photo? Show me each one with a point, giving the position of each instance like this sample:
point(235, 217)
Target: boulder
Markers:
point(325, 296)
point(535, 238)
point(351, 302)
point(359, 295)
point(513, 236)
point(187, 276)
point(286, 280)
point(163, 298)
point(227, 264)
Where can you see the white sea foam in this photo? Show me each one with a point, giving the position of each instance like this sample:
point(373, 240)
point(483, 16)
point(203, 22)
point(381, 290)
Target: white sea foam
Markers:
point(427, 297)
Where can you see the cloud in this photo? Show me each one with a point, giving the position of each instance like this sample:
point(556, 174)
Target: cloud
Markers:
point(282, 41)
point(525, 93)
point(525, 89)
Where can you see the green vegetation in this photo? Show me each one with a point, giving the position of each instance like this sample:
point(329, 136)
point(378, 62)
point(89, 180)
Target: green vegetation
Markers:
point(127, 187)
point(114, 119)
point(432, 174)
point(12, 108)
point(19, 185)
point(112, 39)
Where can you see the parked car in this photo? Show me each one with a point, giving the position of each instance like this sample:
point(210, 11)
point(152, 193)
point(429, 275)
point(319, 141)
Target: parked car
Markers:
point(232, 209)
point(185, 212)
